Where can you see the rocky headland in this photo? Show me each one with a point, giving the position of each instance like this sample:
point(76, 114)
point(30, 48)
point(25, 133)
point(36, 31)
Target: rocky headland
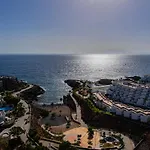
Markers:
point(31, 94)
point(10, 83)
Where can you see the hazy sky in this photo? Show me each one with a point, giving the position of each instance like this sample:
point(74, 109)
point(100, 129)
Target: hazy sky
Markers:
point(75, 26)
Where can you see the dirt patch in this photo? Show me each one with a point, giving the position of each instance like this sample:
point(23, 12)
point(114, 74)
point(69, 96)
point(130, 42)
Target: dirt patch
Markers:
point(71, 136)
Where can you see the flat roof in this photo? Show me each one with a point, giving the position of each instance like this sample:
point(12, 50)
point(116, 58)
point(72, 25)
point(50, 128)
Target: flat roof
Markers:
point(111, 103)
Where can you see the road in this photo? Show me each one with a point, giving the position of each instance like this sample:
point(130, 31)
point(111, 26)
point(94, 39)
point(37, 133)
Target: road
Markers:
point(78, 112)
point(21, 122)
point(129, 145)
point(49, 145)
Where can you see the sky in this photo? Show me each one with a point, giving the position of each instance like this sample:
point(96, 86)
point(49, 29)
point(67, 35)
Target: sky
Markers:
point(74, 26)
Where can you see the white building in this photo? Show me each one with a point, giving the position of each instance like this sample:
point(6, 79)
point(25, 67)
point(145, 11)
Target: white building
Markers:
point(135, 116)
point(131, 93)
point(122, 109)
point(119, 111)
point(144, 118)
point(127, 113)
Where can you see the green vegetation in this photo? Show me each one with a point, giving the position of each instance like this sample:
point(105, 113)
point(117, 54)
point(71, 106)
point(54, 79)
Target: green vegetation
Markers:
point(90, 104)
point(68, 124)
point(44, 113)
point(108, 145)
point(9, 99)
point(90, 132)
point(34, 135)
point(53, 115)
point(102, 141)
point(16, 143)
point(92, 107)
point(90, 143)
point(136, 78)
point(16, 131)
point(120, 139)
point(19, 110)
point(46, 126)
point(96, 110)
point(30, 147)
point(104, 134)
point(66, 146)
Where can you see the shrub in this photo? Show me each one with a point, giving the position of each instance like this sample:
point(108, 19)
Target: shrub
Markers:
point(16, 131)
point(19, 110)
point(9, 99)
point(33, 134)
point(44, 113)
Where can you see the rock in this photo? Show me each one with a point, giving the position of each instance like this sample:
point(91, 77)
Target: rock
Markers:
point(73, 83)
point(104, 81)
point(134, 78)
point(31, 94)
point(9, 83)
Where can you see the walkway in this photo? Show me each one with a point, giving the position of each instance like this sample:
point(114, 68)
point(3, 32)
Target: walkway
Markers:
point(78, 112)
point(49, 145)
point(129, 145)
point(24, 121)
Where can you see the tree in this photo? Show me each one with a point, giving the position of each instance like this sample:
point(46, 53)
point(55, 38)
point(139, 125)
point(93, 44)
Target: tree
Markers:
point(46, 126)
point(104, 134)
point(34, 135)
point(90, 132)
point(53, 115)
point(3, 143)
point(16, 131)
point(13, 143)
point(60, 112)
point(66, 146)
point(9, 99)
point(44, 113)
point(19, 110)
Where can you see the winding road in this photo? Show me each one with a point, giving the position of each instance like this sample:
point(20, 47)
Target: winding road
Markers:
point(78, 112)
point(129, 145)
point(21, 122)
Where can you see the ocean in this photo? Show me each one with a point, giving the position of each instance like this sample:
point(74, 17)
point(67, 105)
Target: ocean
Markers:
point(50, 71)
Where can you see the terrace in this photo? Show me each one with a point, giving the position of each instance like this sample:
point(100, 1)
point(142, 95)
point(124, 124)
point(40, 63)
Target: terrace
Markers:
point(122, 106)
point(80, 136)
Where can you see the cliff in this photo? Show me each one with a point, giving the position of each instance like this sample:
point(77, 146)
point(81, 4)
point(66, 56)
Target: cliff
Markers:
point(8, 83)
point(73, 83)
point(31, 94)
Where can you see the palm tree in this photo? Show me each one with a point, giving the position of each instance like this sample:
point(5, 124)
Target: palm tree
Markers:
point(90, 132)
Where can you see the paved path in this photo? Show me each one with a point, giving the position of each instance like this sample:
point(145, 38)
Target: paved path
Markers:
point(15, 94)
point(49, 145)
point(129, 145)
point(20, 122)
point(78, 112)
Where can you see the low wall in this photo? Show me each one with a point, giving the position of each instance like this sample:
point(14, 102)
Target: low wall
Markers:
point(137, 146)
point(75, 120)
